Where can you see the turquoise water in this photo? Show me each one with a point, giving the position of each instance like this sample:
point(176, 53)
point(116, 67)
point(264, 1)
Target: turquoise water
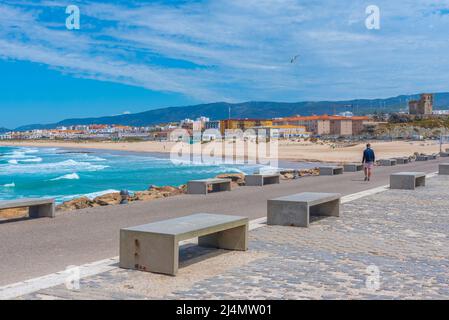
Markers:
point(65, 174)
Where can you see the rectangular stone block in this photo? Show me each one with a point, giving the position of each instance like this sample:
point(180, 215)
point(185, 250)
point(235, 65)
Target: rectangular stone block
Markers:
point(443, 169)
point(403, 160)
point(353, 167)
point(38, 208)
point(295, 210)
point(331, 170)
point(444, 154)
point(407, 180)
point(262, 179)
point(206, 186)
point(154, 247)
point(388, 162)
point(422, 158)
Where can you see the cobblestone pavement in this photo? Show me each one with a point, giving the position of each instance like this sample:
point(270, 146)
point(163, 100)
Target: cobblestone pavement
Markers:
point(392, 245)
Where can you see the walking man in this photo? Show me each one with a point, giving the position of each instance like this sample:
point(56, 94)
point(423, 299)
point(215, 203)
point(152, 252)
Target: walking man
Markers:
point(368, 161)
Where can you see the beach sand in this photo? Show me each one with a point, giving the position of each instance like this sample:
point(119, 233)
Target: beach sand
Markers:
point(288, 150)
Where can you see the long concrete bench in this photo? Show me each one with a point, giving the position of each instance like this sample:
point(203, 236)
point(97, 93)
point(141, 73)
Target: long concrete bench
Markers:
point(407, 180)
point(443, 169)
point(433, 156)
point(262, 179)
point(331, 170)
point(206, 186)
point(402, 160)
point(444, 154)
point(388, 162)
point(295, 210)
point(38, 208)
point(352, 167)
point(154, 247)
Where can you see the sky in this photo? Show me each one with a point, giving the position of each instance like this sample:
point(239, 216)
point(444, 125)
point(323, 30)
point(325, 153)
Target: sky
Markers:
point(131, 56)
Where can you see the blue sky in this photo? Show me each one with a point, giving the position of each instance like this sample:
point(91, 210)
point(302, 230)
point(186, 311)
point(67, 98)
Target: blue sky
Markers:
point(132, 56)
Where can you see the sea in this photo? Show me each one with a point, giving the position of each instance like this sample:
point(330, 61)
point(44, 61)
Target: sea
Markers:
point(64, 174)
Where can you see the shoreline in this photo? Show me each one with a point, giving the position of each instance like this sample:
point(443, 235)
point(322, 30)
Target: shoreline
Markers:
point(288, 151)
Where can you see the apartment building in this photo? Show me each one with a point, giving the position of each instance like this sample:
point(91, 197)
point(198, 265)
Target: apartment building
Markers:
point(326, 125)
point(243, 124)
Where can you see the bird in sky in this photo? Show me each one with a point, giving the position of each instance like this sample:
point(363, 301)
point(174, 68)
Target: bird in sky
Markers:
point(293, 60)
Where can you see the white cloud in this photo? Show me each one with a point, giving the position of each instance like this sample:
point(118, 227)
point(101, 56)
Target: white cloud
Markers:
point(238, 50)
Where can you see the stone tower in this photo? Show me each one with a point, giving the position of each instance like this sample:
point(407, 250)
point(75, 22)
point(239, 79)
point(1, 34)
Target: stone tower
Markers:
point(423, 106)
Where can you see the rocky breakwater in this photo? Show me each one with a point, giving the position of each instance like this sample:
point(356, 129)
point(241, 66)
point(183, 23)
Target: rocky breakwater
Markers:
point(290, 174)
point(155, 192)
point(108, 199)
point(238, 179)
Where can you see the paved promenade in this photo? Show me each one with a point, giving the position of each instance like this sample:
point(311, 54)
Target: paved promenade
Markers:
point(38, 247)
point(391, 245)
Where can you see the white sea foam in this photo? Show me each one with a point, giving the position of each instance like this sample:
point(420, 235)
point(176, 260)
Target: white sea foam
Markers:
point(27, 150)
point(100, 193)
point(16, 155)
point(91, 196)
point(71, 176)
point(13, 161)
point(53, 167)
point(33, 159)
point(95, 159)
point(9, 185)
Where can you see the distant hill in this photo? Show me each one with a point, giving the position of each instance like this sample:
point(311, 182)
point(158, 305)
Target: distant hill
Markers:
point(3, 130)
point(219, 110)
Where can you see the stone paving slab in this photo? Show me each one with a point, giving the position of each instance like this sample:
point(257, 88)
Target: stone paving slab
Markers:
point(402, 234)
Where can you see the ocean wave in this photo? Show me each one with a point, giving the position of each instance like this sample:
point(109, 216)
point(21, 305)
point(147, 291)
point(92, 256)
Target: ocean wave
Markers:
point(13, 161)
point(91, 196)
point(53, 167)
point(16, 155)
point(95, 158)
point(71, 176)
point(27, 150)
point(34, 159)
point(9, 185)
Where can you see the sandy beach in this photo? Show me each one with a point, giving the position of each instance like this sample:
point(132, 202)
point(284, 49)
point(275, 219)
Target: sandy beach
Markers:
point(288, 150)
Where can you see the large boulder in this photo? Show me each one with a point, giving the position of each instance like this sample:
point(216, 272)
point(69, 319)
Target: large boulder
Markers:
point(288, 176)
point(166, 191)
point(108, 199)
point(75, 204)
point(145, 196)
point(309, 172)
point(237, 178)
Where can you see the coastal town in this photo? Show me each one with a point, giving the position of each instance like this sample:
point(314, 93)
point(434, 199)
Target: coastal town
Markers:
point(344, 125)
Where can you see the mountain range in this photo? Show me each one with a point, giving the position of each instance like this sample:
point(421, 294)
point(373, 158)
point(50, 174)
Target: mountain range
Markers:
point(3, 130)
point(222, 110)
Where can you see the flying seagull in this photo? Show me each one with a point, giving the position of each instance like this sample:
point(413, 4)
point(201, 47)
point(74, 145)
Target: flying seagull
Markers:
point(293, 60)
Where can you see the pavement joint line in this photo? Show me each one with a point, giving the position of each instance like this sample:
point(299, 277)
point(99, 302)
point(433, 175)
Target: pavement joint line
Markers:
point(22, 288)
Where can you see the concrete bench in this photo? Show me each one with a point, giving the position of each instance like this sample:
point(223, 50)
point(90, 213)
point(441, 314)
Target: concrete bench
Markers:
point(388, 162)
point(407, 180)
point(154, 247)
point(433, 156)
point(206, 186)
point(403, 160)
point(38, 208)
point(353, 167)
point(331, 170)
point(262, 179)
point(295, 210)
point(444, 169)
point(444, 154)
point(422, 158)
